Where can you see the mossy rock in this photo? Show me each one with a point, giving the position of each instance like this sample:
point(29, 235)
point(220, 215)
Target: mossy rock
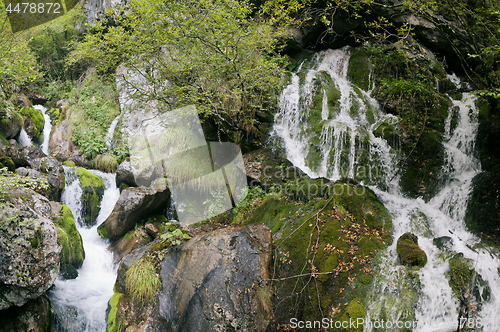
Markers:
point(7, 162)
point(92, 192)
point(69, 163)
point(409, 252)
point(113, 321)
point(36, 117)
point(461, 273)
point(359, 69)
point(72, 254)
point(352, 228)
point(352, 313)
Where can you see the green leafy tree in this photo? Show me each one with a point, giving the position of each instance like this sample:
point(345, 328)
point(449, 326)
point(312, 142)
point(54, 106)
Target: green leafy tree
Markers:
point(212, 54)
point(17, 64)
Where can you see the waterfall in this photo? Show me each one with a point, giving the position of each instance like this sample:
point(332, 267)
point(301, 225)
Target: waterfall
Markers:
point(337, 139)
point(331, 137)
point(111, 131)
point(24, 139)
point(80, 304)
point(47, 128)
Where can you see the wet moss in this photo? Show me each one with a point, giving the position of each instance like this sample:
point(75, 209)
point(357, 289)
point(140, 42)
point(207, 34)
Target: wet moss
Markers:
point(113, 324)
point(92, 192)
point(7, 162)
point(72, 253)
point(359, 69)
point(409, 252)
point(353, 312)
point(36, 118)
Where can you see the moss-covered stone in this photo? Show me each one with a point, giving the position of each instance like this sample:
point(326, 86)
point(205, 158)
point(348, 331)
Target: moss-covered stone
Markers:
point(334, 234)
point(461, 273)
point(36, 117)
point(69, 163)
point(352, 313)
point(114, 324)
point(7, 162)
point(409, 252)
point(72, 254)
point(92, 192)
point(359, 69)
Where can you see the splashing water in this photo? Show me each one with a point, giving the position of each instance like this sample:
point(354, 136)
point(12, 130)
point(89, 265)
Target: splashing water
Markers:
point(111, 131)
point(80, 304)
point(24, 139)
point(47, 128)
point(344, 133)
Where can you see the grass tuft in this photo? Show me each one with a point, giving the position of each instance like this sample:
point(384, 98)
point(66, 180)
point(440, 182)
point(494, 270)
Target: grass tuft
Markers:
point(142, 281)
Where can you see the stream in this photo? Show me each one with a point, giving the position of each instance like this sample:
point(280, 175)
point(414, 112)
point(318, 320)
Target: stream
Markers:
point(80, 304)
point(344, 144)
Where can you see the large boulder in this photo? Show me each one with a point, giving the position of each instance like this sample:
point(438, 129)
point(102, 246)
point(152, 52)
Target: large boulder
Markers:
point(72, 254)
point(29, 252)
point(34, 316)
point(53, 171)
point(217, 281)
point(409, 252)
point(92, 192)
point(134, 205)
point(126, 174)
point(60, 146)
point(11, 123)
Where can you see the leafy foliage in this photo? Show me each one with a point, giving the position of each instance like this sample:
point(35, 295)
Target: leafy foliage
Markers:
point(17, 63)
point(174, 237)
point(211, 53)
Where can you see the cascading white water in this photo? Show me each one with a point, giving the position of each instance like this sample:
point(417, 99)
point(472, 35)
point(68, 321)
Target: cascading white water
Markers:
point(24, 139)
point(111, 131)
point(345, 127)
point(47, 128)
point(432, 306)
point(80, 304)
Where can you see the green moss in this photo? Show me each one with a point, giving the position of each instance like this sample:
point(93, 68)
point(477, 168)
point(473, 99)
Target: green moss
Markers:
point(113, 324)
point(102, 230)
point(92, 192)
point(461, 274)
point(89, 179)
point(359, 69)
point(70, 239)
point(69, 163)
point(352, 313)
point(409, 252)
point(7, 162)
point(36, 116)
point(129, 235)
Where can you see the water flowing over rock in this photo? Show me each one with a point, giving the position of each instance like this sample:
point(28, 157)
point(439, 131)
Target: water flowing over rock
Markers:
point(214, 282)
point(29, 252)
point(133, 205)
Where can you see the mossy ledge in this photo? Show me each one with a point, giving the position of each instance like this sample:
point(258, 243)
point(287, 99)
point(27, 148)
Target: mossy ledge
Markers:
point(92, 192)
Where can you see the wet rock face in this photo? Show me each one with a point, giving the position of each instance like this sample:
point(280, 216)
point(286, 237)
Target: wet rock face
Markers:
point(215, 281)
point(33, 316)
point(29, 253)
point(409, 252)
point(133, 205)
point(11, 123)
point(60, 147)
